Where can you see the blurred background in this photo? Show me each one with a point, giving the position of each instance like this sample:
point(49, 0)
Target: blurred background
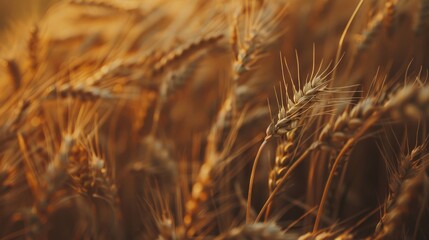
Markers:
point(16, 13)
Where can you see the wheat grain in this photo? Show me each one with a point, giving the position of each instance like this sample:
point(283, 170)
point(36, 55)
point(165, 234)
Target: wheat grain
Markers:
point(254, 231)
point(33, 48)
point(82, 92)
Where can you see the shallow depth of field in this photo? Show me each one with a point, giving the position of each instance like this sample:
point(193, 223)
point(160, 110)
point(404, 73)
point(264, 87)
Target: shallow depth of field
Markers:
point(223, 119)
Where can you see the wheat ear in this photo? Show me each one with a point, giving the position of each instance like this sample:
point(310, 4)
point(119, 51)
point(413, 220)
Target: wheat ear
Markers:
point(260, 231)
point(409, 95)
point(413, 191)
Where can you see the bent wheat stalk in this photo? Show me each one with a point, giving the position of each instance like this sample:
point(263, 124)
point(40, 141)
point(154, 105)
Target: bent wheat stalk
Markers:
point(407, 95)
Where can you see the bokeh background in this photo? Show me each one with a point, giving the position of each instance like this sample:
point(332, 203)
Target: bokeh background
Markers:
point(20, 11)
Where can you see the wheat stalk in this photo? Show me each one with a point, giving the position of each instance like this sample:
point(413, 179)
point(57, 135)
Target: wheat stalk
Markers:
point(139, 120)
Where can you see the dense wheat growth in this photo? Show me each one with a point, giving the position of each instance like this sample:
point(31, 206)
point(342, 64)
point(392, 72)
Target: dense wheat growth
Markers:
point(223, 119)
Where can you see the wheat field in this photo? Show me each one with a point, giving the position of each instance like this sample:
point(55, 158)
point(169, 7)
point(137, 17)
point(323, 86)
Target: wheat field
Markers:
point(222, 119)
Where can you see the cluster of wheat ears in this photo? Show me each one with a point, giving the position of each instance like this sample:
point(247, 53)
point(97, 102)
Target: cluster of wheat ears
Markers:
point(226, 119)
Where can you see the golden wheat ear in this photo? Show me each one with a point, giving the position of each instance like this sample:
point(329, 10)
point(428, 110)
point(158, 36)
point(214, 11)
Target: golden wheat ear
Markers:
point(218, 167)
point(261, 29)
point(407, 167)
point(404, 216)
point(183, 52)
point(262, 231)
point(371, 112)
point(289, 120)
